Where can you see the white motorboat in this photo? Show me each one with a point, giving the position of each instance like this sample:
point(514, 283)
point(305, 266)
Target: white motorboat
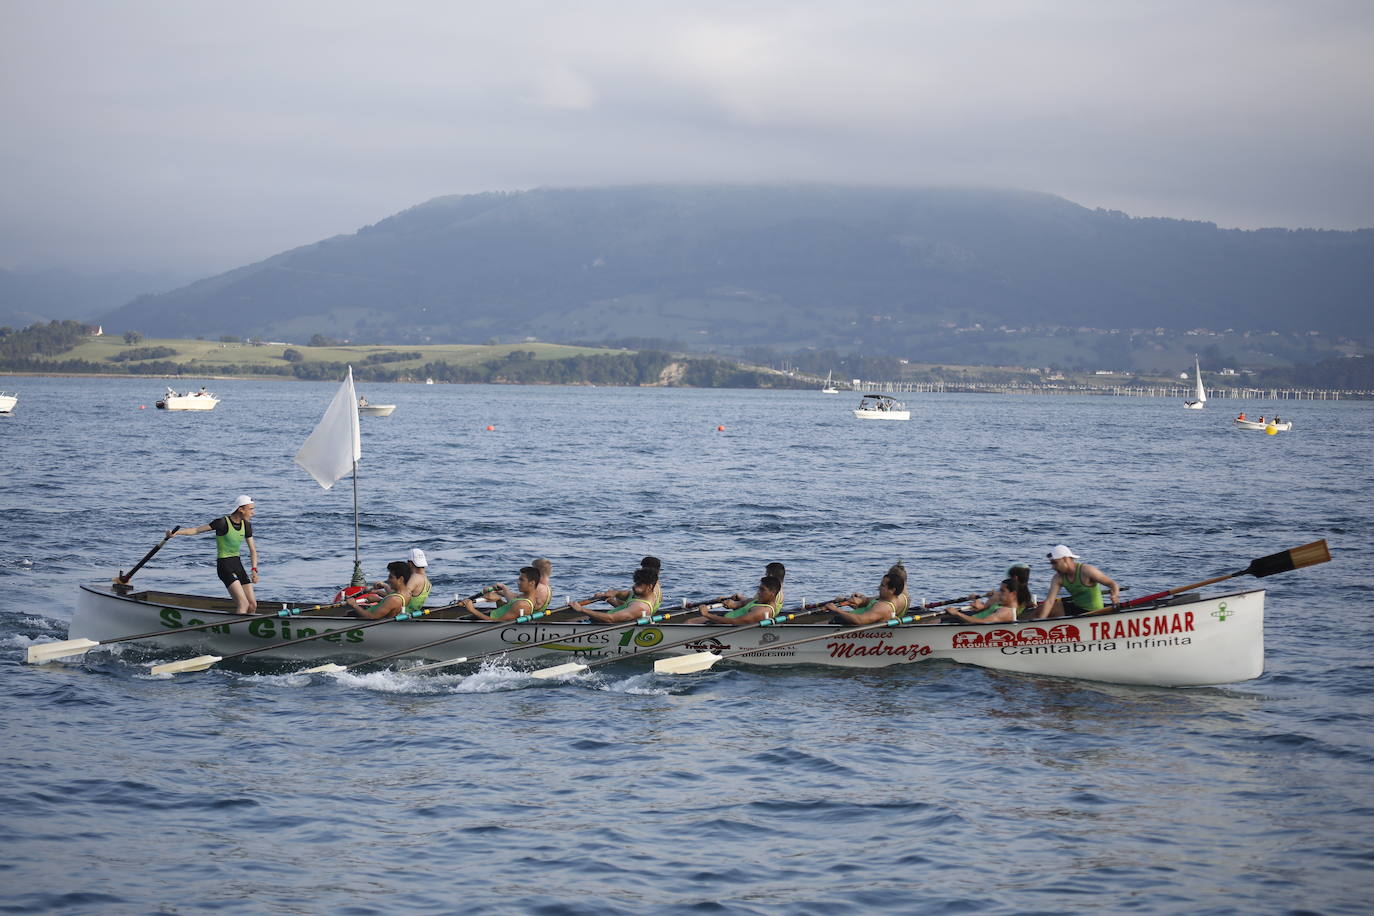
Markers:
point(881, 407)
point(367, 409)
point(1199, 398)
point(198, 400)
point(429, 381)
point(1264, 426)
point(7, 402)
point(829, 385)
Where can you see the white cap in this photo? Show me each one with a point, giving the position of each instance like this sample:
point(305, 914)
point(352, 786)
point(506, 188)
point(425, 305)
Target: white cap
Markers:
point(417, 557)
point(243, 501)
point(1059, 552)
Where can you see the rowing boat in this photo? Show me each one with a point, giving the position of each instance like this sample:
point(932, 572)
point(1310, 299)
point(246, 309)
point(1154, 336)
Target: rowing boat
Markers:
point(1178, 643)
point(1252, 424)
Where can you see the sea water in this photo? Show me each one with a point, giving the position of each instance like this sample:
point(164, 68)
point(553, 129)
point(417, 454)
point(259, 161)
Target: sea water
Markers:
point(931, 787)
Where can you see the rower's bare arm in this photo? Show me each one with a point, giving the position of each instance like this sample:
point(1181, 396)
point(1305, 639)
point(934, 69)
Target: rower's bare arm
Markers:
point(1102, 578)
point(199, 529)
point(1048, 603)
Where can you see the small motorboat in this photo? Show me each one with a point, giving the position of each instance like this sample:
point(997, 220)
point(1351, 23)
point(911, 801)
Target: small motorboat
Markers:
point(198, 400)
point(367, 409)
point(1279, 427)
point(881, 407)
point(7, 402)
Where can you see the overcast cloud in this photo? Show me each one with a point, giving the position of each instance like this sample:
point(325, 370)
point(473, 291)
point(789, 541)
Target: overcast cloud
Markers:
point(201, 136)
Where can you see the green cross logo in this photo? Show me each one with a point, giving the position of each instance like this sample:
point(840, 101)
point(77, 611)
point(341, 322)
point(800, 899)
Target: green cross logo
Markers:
point(1221, 613)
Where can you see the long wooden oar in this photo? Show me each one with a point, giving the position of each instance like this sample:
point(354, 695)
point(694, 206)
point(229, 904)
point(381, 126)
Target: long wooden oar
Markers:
point(123, 578)
point(703, 660)
point(49, 650)
point(1283, 561)
point(700, 661)
point(201, 662)
point(614, 627)
point(802, 610)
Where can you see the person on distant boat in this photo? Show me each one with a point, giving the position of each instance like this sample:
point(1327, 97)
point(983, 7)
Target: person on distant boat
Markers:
point(620, 597)
point(1260, 421)
point(396, 601)
point(1242, 416)
point(1276, 421)
point(891, 602)
point(362, 401)
point(642, 601)
point(232, 531)
point(739, 612)
point(1019, 572)
point(527, 583)
point(1082, 581)
point(1003, 608)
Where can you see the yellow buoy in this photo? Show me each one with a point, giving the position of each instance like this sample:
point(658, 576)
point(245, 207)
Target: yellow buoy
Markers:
point(1271, 430)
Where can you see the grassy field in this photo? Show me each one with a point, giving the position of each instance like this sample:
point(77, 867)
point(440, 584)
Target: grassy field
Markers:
point(211, 357)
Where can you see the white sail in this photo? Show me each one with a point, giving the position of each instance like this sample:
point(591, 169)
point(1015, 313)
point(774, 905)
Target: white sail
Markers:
point(1201, 393)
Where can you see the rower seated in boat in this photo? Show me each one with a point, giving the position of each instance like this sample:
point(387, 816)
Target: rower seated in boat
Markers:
point(891, 602)
point(1002, 608)
point(1082, 581)
point(398, 571)
point(527, 583)
point(623, 595)
point(1026, 601)
point(641, 603)
point(765, 603)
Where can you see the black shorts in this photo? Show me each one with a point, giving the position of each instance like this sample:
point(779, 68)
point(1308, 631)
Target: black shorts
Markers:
point(230, 570)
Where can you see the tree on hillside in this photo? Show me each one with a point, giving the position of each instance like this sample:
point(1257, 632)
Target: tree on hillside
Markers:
point(132, 337)
point(292, 355)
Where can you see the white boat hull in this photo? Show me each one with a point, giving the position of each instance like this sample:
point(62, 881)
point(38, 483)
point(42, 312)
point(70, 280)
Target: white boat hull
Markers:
point(1191, 643)
point(7, 402)
point(188, 402)
point(1194, 405)
point(883, 414)
point(376, 410)
point(1251, 424)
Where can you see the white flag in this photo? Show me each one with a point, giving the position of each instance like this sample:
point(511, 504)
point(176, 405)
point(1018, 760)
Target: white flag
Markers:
point(336, 443)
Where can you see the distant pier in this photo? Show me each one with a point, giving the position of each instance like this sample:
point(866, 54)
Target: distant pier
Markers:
point(1121, 391)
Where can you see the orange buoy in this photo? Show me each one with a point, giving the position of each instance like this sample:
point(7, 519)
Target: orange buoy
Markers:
point(490, 428)
point(142, 406)
point(720, 429)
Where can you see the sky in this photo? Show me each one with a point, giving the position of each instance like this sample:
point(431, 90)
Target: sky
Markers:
point(195, 137)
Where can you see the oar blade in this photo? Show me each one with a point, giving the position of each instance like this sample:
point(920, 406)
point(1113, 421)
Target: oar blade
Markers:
point(558, 670)
point(47, 651)
point(329, 668)
point(199, 663)
point(1287, 560)
point(686, 664)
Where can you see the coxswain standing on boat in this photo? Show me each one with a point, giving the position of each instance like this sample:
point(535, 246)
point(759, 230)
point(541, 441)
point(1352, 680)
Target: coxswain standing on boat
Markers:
point(398, 600)
point(891, 602)
point(1082, 581)
point(1003, 607)
point(642, 601)
point(231, 531)
point(527, 583)
point(744, 613)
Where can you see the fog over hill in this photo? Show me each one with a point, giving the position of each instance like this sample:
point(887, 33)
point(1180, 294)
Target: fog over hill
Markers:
point(724, 267)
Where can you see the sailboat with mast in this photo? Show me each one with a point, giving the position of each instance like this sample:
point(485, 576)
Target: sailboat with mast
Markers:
point(829, 385)
point(1199, 398)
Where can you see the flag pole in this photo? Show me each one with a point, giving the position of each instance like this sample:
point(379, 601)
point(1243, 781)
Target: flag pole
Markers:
point(358, 578)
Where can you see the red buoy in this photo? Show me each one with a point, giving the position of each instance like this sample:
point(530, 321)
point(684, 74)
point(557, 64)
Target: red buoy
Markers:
point(490, 428)
point(720, 429)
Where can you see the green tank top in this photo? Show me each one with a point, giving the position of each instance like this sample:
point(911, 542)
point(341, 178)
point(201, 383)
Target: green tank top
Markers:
point(1087, 597)
point(417, 600)
point(230, 543)
point(740, 611)
point(504, 609)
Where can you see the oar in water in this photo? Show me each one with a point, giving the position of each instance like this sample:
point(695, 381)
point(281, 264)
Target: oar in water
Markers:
point(614, 627)
point(802, 610)
point(707, 659)
point(201, 662)
point(1283, 561)
point(49, 650)
point(123, 578)
point(700, 661)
